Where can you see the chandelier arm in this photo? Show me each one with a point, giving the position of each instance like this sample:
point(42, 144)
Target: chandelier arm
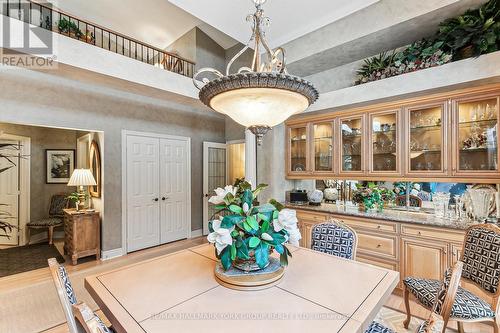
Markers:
point(204, 80)
point(228, 68)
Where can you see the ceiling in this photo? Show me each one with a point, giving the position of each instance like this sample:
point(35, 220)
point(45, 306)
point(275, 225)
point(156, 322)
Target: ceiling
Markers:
point(290, 19)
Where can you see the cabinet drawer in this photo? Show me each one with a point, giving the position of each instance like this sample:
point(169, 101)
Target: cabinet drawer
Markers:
point(440, 234)
point(379, 245)
point(371, 225)
point(393, 266)
point(311, 216)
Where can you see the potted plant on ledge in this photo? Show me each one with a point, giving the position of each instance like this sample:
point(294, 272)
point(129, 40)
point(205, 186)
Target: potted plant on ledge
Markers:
point(369, 197)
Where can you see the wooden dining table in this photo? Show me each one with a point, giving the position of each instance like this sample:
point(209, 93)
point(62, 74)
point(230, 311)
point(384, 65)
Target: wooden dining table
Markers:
point(179, 293)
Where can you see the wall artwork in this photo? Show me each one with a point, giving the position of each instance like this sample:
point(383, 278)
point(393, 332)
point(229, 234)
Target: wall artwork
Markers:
point(60, 165)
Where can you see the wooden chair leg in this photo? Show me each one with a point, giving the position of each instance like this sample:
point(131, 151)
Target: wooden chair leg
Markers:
point(29, 235)
point(406, 323)
point(495, 325)
point(51, 235)
point(460, 327)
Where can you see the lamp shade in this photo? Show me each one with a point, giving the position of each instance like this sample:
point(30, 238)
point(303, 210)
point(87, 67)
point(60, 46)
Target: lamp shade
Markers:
point(82, 177)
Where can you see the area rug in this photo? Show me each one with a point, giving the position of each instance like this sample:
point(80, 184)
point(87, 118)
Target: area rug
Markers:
point(27, 258)
point(394, 320)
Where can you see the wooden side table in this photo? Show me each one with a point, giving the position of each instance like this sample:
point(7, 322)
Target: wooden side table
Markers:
point(82, 232)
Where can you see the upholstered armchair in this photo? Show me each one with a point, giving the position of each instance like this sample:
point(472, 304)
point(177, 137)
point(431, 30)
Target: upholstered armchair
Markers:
point(481, 267)
point(58, 202)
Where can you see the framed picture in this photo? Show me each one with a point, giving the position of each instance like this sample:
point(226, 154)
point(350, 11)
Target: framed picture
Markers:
point(60, 165)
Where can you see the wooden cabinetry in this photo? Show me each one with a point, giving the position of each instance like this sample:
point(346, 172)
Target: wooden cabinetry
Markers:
point(413, 250)
point(423, 258)
point(81, 234)
point(445, 137)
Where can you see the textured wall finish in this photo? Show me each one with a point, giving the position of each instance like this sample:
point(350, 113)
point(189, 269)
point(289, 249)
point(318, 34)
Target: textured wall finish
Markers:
point(29, 97)
point(42, 138)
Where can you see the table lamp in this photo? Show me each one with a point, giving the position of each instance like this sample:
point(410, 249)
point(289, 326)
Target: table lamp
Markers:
point(81, 178)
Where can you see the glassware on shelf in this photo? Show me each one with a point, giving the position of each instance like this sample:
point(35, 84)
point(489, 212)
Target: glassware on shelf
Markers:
point(426, 138)
point(352, 141)
point(480, 200)
point(441, 201)
point(298, 149)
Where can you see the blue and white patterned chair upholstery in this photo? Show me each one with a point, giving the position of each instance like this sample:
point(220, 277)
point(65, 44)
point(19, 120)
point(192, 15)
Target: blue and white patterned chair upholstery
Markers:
point(467, 306)
point(376, 327)
point(70, 294)
point(69, 301)
point(58, 202)
point(481, 266)
point(335, 238)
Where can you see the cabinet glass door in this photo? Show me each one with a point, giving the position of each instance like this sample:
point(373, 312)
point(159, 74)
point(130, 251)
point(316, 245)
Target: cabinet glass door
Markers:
point(426, 139)
point(385, 142)
point(323, 147)
point(298, 149)
point(477, 136)
point(351, 139)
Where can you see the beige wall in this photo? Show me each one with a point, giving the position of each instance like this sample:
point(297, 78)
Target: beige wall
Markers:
point(42, 138)
point(48, 100)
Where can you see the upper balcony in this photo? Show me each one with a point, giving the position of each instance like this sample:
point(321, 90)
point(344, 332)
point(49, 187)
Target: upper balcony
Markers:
point(57, 21)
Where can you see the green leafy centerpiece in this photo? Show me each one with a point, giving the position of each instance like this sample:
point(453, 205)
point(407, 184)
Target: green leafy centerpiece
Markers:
point(245, 233)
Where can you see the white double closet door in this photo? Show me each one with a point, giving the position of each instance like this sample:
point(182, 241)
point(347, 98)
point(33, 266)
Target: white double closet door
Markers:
point(157, 190)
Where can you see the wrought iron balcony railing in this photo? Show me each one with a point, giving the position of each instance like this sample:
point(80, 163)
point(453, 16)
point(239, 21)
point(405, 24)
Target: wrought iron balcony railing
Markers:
point(44, 16)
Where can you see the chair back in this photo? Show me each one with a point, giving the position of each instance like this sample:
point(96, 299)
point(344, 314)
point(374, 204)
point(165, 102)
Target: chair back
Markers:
point(444, 301)
point(414, 201)
point(335, 238)
point(58, 202)
point(481, 258)
point(64, 291)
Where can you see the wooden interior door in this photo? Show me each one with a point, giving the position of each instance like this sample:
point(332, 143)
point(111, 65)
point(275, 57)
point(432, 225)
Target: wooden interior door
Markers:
point(9, 191)
point(424, 259)
point(143, 223)
point(174, 190)
point(214, 176)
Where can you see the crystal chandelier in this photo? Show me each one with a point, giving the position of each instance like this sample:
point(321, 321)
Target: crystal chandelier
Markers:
point(261, 96)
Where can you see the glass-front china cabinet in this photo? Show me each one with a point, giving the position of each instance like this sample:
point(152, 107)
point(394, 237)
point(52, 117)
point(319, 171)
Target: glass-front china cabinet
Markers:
point(298, 139)
point(427, 139)
point(476, 133)
point(384, 142)
point(352, 141)
point(323, 148)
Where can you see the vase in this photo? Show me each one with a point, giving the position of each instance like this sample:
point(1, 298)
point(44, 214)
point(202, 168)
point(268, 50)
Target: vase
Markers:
point(466, 52)
point(331, 194)
point(249, 265)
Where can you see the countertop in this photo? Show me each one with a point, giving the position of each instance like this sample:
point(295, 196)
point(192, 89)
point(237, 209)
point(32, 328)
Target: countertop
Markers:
point(389, 215)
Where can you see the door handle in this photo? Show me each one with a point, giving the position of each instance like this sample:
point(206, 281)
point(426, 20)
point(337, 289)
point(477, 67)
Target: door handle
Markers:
point(207, 195)
point(155, 199)
point(164, 198)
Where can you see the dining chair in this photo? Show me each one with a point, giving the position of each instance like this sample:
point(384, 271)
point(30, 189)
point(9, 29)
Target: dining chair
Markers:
point(481, 267)
point(445, 297)
point(58, 202)
point(88, 321)
point(335, 238)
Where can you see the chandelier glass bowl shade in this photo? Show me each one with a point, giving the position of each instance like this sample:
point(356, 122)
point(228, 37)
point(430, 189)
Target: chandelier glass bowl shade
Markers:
point(261, 95)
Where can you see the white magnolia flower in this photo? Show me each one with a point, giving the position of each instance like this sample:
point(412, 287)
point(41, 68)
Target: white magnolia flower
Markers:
point(245, 207)
point(287, 219)
point(221, 237)
point(295, 236)
point(220, 194)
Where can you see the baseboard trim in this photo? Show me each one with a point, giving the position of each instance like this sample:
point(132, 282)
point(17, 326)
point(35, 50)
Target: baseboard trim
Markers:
point(196, 233)
point(42, 237)
point(110, 254)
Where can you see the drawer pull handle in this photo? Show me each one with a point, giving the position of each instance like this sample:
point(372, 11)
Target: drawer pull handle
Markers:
point(419, 233)
point(379, 227)
point(379, 245)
